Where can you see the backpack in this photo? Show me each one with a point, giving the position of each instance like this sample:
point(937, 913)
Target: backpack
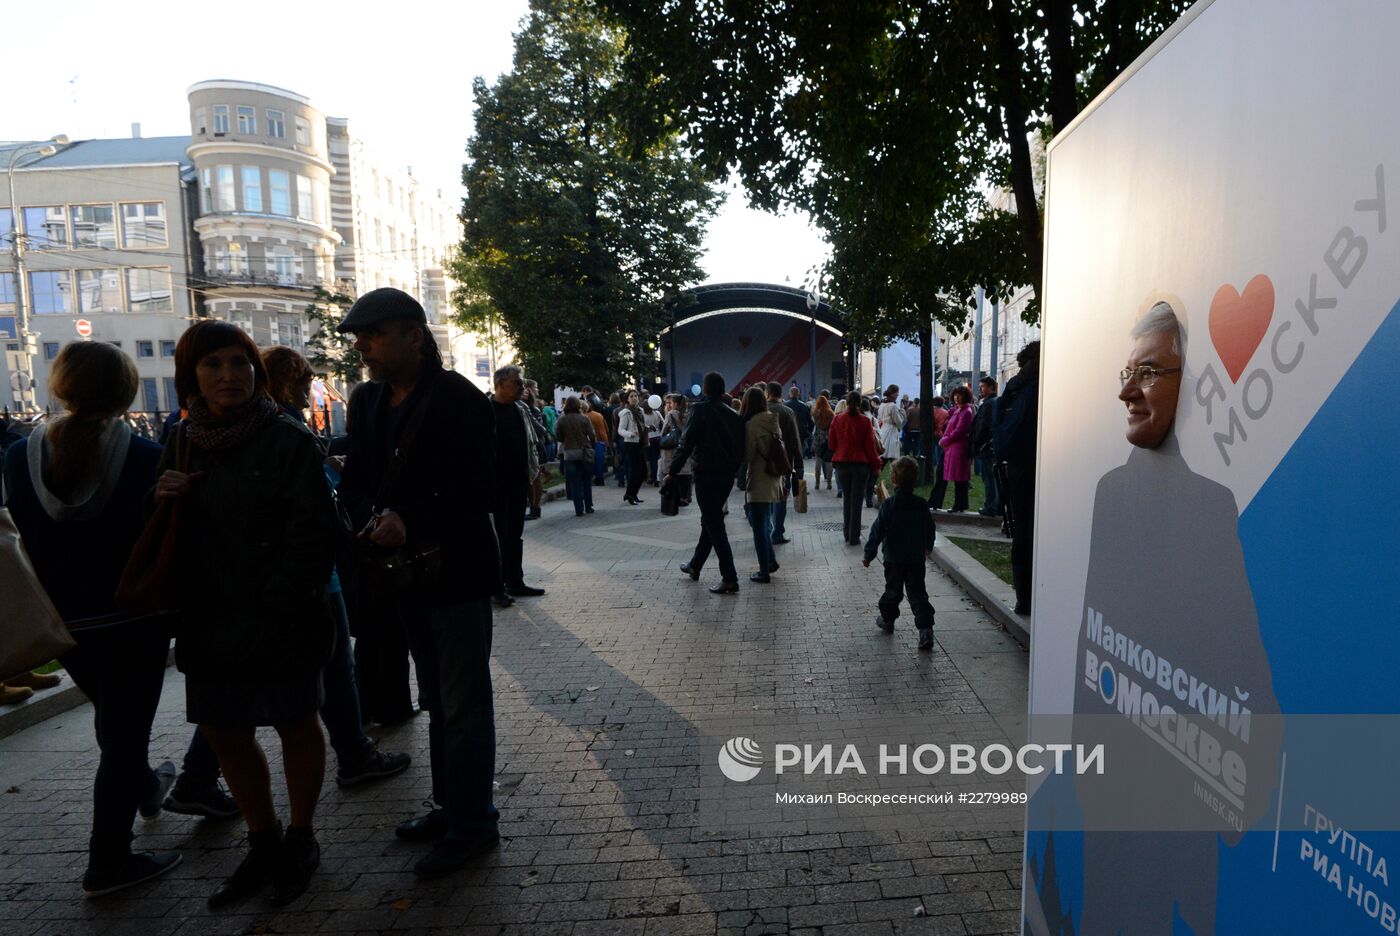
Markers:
point(1014, 422)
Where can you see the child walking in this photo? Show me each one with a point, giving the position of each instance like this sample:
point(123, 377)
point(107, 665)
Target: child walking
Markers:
point(905, 527)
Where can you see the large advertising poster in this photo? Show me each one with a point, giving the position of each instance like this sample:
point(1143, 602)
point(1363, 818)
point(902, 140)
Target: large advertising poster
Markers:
point(1217, 575)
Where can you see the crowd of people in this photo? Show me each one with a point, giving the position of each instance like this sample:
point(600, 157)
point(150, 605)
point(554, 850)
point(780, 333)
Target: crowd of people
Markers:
point(297, 577)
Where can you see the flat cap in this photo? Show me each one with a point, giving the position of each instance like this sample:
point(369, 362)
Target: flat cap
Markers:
point(379, 305)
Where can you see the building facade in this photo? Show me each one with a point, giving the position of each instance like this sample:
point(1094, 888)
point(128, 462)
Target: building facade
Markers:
point(104, 229)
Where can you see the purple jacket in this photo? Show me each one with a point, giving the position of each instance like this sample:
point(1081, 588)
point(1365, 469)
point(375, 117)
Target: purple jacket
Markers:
point(957, 445)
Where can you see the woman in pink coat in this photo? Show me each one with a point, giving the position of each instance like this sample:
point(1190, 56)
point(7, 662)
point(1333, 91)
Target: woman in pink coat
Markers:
point(957, 453)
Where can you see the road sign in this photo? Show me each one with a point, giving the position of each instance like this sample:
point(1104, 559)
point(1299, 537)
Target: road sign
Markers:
point(83, 327)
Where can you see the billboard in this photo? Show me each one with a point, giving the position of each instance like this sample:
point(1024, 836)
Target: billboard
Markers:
point(1216, 575)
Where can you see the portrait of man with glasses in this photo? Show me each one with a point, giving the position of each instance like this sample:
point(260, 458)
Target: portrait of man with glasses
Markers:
point(1152, 518)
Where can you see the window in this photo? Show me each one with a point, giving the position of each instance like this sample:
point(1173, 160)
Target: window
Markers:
point(172, 397)
point(143, 224)
point(148, 290)
point(304, 198)
point(277, 124)
point(45, 228)
point(99, 291)
point(252, 189)
point(279, 186)
point(322, 206)
point(7, 228)
point(9, 328)
point(224, 190)
point(145, 349)
point(291, 334)
point(51, 292)
point(303, 131)
point(149, 401)
point(167, 350)
point(247, 119)
point(94, 226)
point(483, 367)
point(221, 118)
point(206, 190)
point(7, 290)
point(50, 350)
point(199, 119)
point(283, 265)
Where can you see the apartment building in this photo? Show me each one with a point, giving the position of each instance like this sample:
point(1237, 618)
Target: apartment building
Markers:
point(104, 236)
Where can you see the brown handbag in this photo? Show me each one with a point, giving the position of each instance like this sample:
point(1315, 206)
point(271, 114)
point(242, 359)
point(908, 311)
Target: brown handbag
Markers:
point(33, 633)
point(151, 581)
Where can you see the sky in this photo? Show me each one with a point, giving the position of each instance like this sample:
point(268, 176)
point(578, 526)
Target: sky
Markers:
point(402, 73)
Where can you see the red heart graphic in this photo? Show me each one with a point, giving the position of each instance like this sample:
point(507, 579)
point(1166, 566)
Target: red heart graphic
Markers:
point(1238, 322)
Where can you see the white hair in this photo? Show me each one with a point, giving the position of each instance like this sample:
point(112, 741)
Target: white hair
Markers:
point(1162, 319)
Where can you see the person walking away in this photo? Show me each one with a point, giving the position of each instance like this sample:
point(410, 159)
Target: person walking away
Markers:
point(255, 634)
point(516, 466)
point(792, 442)
point(803, 414)
point(904, 527)
point(577, 446)
point(853, 451)
point(358, 758)
point(764, 490)
point(75, 488)
point(714, 438)
point(821, 447)
point(672, 429)
point(600, 444)
point(1014, 441)
point(983, 458)
point(632, 430)
point(889, 421)
point(440, 500)
point(956, 443)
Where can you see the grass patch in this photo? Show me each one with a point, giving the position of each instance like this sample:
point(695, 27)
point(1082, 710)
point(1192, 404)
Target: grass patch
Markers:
point(52, 666)
point(996, 556)
point(976, 494)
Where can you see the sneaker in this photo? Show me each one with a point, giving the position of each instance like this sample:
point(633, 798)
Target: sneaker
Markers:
point(926, 638)
point(375, 766)
point(165, 779)
point(452, 853)
point(254, 872)
point(211, 802)
point(884, 625)
point(298, 861)
point(428, 827)
point(136, 868)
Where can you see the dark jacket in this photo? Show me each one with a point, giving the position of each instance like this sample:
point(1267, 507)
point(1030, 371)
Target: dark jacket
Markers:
point(1014, 420)
point(80, 563)
point(803, 414)
point(714, 435)
point(444, 493)
point(905, 526)
point(575, 431)
point(792, 437)
point(982, 427)
point(262, 534)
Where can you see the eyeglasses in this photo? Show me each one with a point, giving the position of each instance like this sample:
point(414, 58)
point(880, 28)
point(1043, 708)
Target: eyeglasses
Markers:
point(1144, 375)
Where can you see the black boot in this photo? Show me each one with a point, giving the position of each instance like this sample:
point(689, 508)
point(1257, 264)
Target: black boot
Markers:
point(254, 873)
point(301, 855)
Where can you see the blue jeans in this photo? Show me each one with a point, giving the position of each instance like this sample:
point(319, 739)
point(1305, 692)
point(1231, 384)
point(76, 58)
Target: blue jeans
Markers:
point(988, 475)
point(340, 713)
point(600, 459)
point(777, 519)
point(580, 485)
point(762, 539)
point(451, 647)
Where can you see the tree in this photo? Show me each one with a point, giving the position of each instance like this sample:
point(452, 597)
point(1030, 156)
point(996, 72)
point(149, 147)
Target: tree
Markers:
point(576, 230)
point(330, 352)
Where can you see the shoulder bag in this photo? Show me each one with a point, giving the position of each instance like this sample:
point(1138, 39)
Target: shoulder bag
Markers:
point(151, 581)
point(34, 633)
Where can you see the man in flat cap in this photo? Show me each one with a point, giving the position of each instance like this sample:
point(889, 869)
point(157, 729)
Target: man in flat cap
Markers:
point(418, 480)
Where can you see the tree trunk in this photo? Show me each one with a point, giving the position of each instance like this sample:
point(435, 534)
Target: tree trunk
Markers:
point(1064, 99)
point(927, 351)
point(1008, 75)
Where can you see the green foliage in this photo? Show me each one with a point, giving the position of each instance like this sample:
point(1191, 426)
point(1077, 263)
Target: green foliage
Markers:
point(330, 352)
point(576, 229)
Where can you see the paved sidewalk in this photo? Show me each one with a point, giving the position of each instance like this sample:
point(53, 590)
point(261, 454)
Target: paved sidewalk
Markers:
point(602, 687)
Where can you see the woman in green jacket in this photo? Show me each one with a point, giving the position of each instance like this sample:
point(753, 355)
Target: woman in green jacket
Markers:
point(763, 490)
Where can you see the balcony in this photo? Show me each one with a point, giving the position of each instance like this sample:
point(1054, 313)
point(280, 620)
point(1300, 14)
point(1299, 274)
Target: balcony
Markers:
point(294, 281)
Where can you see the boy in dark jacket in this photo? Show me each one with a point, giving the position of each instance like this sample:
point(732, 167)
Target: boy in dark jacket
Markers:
point(905, 526)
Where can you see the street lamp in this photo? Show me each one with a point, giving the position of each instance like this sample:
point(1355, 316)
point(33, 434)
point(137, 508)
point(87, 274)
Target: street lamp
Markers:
point(22, 380)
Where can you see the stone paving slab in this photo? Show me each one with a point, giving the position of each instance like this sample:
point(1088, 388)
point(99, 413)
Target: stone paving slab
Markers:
point(603, 690)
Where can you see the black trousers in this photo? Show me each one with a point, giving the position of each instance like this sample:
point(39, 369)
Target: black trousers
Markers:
point(711, 493)
point(636, 457)
point(853, 478)
point(906, 578)
point(510, 532)
point(960, 494)
point(381, 657)
point(1021, 493)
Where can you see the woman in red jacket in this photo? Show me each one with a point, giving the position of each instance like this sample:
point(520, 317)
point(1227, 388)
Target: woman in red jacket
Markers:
point(957, 453)
point(853, 452)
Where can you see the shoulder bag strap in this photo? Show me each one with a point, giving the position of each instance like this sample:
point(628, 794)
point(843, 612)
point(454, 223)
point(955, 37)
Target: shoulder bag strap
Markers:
point(400, 458)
